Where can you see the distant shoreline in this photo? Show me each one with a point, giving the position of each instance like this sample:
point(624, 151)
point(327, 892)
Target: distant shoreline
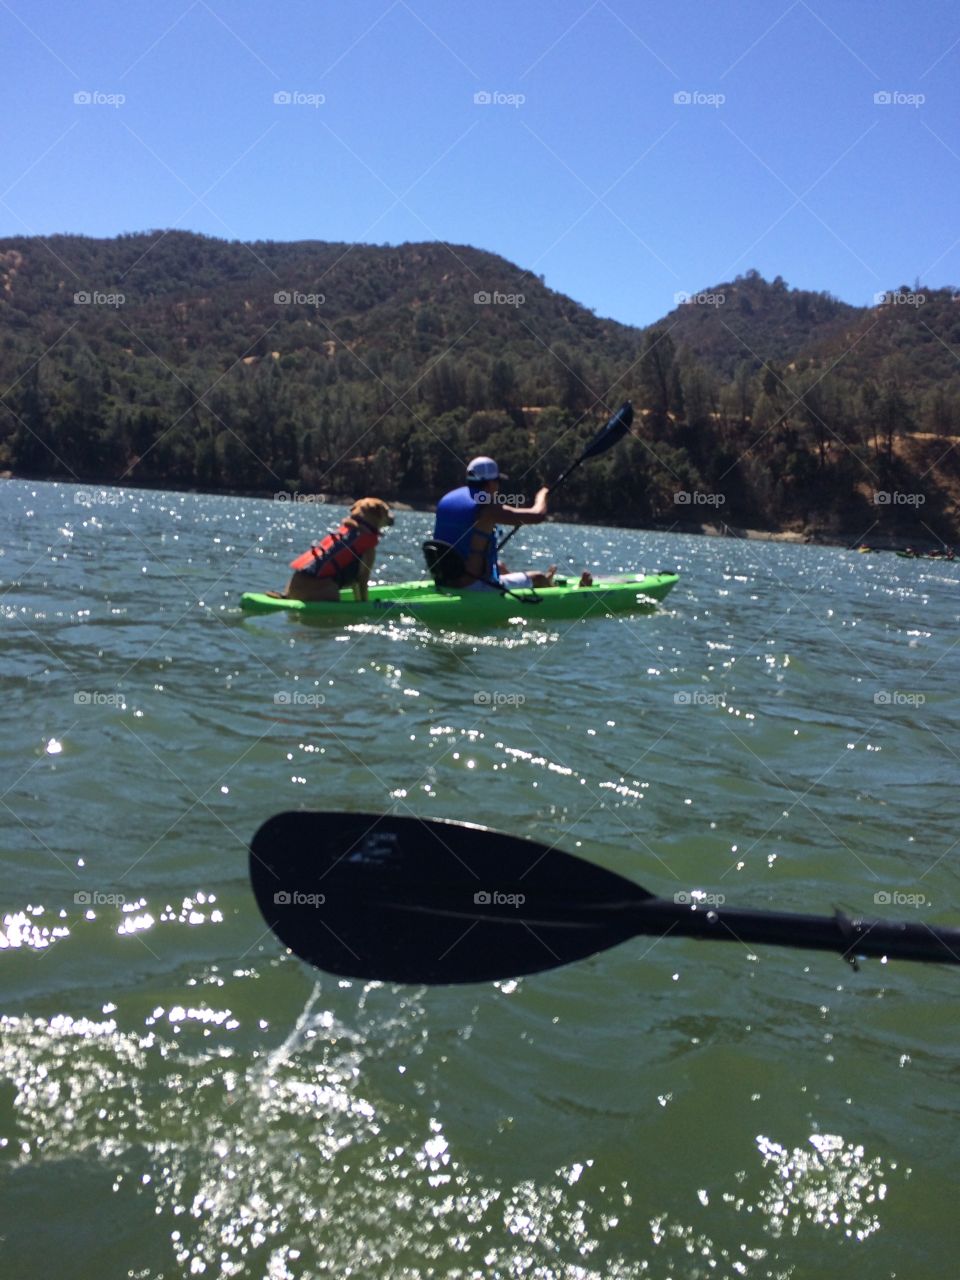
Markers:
point(849, 539)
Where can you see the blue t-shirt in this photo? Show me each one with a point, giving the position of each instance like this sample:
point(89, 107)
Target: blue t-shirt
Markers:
point(455, 524)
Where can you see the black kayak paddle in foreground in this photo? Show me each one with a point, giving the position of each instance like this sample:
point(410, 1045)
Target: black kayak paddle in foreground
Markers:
point(424, 901)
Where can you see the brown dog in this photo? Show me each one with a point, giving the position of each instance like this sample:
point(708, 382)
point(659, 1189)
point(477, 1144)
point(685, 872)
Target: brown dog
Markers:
point(341, 559)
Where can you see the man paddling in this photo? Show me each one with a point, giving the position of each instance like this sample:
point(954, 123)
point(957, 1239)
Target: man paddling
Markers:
point(467, 519)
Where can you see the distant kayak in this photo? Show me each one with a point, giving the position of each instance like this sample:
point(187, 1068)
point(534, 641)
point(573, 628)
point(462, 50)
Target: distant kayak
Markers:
point(428, 603)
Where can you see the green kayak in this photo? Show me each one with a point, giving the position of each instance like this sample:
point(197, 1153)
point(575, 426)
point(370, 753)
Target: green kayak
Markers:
point(456, 609)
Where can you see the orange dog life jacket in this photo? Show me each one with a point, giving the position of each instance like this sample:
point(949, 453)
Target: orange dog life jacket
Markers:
point(338, 555)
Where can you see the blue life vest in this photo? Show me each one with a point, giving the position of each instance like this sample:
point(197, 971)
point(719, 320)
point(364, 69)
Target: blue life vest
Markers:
point(455, 523)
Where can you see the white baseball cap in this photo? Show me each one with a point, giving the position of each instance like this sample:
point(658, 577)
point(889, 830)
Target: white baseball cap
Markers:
point(484, 469)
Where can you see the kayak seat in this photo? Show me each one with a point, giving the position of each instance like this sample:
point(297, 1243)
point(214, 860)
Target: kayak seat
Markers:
point(447, 568)
point(444, 564)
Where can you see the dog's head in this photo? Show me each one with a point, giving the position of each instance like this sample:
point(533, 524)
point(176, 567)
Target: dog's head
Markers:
point(372, 510)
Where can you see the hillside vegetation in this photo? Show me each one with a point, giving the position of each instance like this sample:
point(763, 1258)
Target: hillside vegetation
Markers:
point(174, 359)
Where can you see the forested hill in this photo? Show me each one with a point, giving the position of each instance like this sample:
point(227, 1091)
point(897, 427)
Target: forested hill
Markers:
point(750, 320)
point(171, 358)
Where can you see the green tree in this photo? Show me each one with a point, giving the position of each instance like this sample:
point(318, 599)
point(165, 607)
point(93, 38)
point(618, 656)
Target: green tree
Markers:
point(656, 374)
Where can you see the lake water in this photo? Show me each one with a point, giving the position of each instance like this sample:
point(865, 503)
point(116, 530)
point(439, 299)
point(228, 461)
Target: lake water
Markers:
point(178, 1096)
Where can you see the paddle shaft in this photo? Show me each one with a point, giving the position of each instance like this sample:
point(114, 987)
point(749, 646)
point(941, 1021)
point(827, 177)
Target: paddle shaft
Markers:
point(654, 917)
point(553, 488)
point(618, 425)
point(851, 937)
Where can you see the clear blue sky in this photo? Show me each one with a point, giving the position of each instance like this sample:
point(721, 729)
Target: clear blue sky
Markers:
point(597, 180)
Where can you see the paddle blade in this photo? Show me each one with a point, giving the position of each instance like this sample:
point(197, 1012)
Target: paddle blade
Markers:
point(614, 431)
point(414, 900)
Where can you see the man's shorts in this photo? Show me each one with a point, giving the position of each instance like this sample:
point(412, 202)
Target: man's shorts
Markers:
point(512, 581)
